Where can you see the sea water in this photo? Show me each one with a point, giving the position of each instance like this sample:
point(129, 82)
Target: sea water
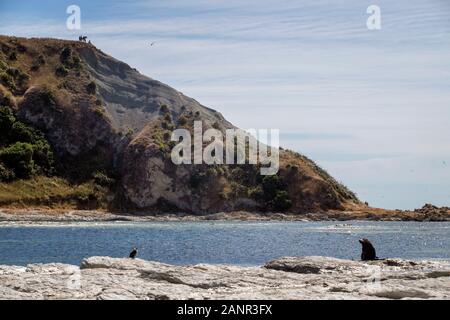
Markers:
point(219, 242)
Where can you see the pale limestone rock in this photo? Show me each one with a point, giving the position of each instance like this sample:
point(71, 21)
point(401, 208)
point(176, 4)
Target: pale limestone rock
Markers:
point(294, 278)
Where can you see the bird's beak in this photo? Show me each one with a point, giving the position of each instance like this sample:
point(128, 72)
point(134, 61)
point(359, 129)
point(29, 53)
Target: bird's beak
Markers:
point(360, 241)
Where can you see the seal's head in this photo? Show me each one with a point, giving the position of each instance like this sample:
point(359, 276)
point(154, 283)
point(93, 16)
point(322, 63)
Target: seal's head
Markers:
point(364, 241)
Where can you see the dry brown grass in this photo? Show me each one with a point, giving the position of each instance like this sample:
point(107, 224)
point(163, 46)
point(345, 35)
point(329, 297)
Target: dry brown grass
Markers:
point(50, 192)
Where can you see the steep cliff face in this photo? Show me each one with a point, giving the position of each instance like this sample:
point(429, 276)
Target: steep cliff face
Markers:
point(99, 114)
point(132, 99)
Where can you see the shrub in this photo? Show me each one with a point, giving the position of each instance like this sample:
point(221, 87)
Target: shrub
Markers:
point(12, 56)
point(167, 125)
point(274, 194)
point(7, 80)
point(281, 202)
point(271, 184)
point(238, 174)
point(13, 40)
point(34, 67)
point(14, 132)
point(69, 60)
point(13, 72)
point(6, 174)
point(21, 48)
point(166, 136)
point(182, 120)
point(3, 65)
point(91, 88)
point(43, 156)
point(22, 78)
point(61, 71)
point(103, 180)
point(6, 99)
point(164, 108)
point(40, 60)
point(66, 55)
point(99, 111)
point(168, 118)
point(76, 63)
point(47, 96)
point(255, 193)
point(22, 132)
point(196, 179)
point(64, 85)
point(7, 120)
point(19, 158)
point(130, 133)
point(12, 77)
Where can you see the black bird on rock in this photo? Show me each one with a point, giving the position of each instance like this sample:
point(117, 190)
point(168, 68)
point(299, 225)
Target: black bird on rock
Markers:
point(133, 253)
point(368, 251)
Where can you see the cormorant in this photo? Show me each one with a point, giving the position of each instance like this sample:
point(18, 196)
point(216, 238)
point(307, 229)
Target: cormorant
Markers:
point(133, 253)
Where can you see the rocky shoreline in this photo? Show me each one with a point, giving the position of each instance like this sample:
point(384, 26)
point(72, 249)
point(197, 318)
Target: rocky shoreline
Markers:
point(36, 215)
point(283, 278)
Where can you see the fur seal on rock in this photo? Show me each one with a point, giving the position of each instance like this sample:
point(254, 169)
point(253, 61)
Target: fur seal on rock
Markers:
point(368, 251)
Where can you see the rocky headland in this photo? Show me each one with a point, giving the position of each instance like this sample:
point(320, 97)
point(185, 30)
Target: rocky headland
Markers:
point(283, 278)
point(91, 132)
point(81, 130)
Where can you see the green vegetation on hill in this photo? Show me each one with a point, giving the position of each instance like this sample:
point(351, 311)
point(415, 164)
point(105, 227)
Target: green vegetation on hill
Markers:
point(27, 171)
point(24, 151)
point(274, 193)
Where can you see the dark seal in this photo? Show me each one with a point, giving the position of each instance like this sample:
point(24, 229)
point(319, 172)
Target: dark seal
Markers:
point(368, 251)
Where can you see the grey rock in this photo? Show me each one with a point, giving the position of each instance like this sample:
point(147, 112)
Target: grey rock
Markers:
point(314, 264)
point(284, 278)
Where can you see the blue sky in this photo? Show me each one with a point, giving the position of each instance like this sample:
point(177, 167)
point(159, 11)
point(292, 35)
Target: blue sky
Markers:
point(371, 107)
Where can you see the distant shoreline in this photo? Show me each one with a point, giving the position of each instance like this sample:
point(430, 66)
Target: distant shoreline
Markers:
point(67, 215)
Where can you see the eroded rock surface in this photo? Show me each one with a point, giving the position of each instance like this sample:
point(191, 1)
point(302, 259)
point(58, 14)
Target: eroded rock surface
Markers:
point(284, 278)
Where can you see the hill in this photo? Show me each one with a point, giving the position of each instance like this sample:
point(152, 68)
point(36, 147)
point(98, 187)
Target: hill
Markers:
point(108, 130)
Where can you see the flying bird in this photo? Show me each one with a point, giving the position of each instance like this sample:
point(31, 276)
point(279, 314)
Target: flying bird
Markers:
point(151, 44)
point(133, 253)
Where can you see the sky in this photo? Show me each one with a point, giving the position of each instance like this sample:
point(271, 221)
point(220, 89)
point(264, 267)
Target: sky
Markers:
point(372, 107)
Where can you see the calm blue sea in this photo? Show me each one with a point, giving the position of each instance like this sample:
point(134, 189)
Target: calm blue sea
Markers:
point(242, 243)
